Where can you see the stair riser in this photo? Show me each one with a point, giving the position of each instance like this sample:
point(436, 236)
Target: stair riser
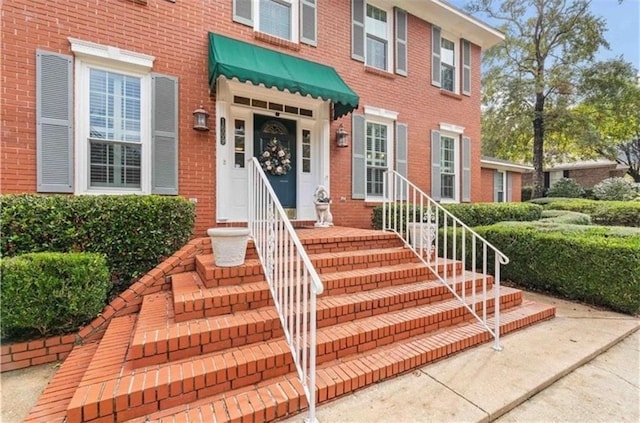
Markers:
point(337, 246)
point(270, 402)
point(198, 338)
point(233, 370)
point(197, 308)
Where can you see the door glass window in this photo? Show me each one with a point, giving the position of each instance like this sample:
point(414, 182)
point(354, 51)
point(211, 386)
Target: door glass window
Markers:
point(239, 143)
point(306, 151)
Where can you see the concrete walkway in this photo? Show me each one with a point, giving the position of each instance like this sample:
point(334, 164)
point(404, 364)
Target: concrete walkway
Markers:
point(582, 366)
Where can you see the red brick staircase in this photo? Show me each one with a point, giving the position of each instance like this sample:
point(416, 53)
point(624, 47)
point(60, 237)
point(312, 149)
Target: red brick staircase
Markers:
point(212, 348)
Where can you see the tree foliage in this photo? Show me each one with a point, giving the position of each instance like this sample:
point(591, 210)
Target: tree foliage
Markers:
point(610, 113)
point(528, 85)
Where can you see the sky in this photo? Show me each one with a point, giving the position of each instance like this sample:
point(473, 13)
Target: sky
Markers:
point(623, 28)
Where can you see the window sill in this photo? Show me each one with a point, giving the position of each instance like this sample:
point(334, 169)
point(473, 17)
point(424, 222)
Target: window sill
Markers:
point(450, 94)
point(379, 72)
point(276, 41)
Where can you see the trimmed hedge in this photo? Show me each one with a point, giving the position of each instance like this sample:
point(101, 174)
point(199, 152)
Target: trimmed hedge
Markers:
point(565, 216)
point(51, 293)
point(133, 232)
point(596, 265)
point(472, 214)
point(611, 213)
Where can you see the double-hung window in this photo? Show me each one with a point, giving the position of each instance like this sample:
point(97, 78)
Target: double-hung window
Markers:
point(499, 186)
point(448, 65)
point(291, 20)
point(115, 130)
point(377, 30)
point(448, 168)
point(377, 154)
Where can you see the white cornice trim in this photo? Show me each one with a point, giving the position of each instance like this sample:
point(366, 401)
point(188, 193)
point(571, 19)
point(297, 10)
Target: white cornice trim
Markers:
point(91, 50)
point(379, 112)
point(449, 127)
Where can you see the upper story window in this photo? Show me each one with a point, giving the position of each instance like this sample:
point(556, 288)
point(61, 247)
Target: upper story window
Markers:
point(376, 40)
point(275, 17)
point(290, 20)
point(448, 65)
point(377, 30)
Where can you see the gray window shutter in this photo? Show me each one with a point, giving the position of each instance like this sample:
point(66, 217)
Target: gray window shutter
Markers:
point(308, 19)
point(509, 186)
point(401, 42)
point(54, 122)
point(359, 164)
point(435, 56)
point(466, 169)
point(496, 183)
point(357, 30)
point(436, 183)
point(164, 134)
point(401, 149)
point(242, 12)
point(466, 67)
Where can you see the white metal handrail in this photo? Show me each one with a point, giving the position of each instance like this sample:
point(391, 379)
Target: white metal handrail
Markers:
point(293, 280)
point(438, 237)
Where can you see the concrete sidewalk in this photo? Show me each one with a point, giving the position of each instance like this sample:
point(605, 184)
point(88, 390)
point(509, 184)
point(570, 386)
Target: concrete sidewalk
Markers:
point(480, 384)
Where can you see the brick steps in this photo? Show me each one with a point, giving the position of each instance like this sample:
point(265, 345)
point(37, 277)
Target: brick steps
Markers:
point(159, 339)
point(212, 348)
point(284, 396)
point(204, 375)
point(52, 404)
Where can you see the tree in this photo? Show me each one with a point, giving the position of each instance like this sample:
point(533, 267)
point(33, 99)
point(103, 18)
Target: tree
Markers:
point(610, 112)
point(530, 77)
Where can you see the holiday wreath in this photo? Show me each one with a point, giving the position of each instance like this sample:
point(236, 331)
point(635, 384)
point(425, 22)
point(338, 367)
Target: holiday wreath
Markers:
point(275, 159)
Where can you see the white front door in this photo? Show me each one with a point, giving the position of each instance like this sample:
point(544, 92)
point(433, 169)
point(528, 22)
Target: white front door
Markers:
point(236, 145)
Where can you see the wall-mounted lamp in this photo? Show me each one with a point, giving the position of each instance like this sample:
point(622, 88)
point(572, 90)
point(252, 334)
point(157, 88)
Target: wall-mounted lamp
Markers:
point(200, 117)
point(342, 137)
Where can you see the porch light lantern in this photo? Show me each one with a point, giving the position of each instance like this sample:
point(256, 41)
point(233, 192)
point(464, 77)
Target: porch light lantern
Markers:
point(200, 117)
point(342, 137)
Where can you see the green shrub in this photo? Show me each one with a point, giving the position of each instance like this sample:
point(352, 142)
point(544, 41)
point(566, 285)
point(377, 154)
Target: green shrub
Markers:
point(597, 265)
point(615, 189)
point(133, 232)
point(565, 187)
point(612, 213)
point(471, 214)
point(51, 293)
point(565, 216)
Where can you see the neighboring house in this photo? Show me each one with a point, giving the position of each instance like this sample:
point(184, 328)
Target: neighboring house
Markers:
point(587, 173)
point(98, 98)
point(502, 180)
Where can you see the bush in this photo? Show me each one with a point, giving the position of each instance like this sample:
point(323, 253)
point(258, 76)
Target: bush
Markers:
point(471, 214)
point(615, 189)
point(565, 187)
point(611, 213)
point(51, 293)
point(597, 265)
point(133, 232)
point(565, 216)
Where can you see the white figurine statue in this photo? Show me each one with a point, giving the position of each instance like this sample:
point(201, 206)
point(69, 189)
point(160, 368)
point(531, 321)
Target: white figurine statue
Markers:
point(322, 202)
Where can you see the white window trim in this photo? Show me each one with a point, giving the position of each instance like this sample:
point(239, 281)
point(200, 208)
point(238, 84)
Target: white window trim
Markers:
point(449, 127)
point(295, 19)
point(95, 56)
point(382, 117)
point(457, 151)
point(457, 60)
point(391, 39)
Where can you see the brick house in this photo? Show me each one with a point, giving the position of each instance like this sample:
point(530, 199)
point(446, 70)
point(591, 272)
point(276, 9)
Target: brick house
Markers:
point(98, 97)
point(502, 180)
point(587, 173)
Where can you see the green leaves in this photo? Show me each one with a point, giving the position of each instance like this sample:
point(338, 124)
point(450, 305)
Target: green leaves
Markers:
point(133, 232)
point(51, 293)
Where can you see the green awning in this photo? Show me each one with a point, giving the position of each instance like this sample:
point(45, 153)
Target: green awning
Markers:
point(247, 62)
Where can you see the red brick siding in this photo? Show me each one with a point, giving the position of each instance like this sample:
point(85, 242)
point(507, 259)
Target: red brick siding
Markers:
point(176, 34)
point(486, 180)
